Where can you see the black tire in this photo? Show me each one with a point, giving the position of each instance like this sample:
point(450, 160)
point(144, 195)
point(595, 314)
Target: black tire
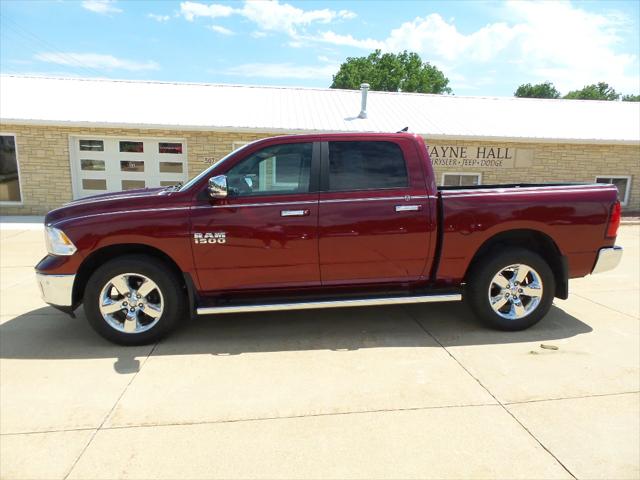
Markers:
point(169, 294)
point(480, 280)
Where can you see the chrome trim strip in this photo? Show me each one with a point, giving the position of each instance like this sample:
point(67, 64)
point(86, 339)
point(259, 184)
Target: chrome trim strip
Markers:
point(310, 202)
point(330, 304)
point(608, 259)
point(367, 199)
point(56, 289)
point(267, 204)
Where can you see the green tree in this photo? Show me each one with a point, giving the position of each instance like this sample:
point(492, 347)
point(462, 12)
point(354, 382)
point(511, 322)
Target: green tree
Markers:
point(631, 98)
point(389, 72)
point(540, 90)
point(599, 91)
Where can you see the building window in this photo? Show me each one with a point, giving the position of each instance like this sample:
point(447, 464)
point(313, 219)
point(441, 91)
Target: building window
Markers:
point(460, 179)
point(165, 147)
point(131, 166)
point(623, 183)
point(9, 170)
point(132, 147)
point(92, 165)
point(91, 184)
point(92, 145)
point(132, 184)
point(171, 167)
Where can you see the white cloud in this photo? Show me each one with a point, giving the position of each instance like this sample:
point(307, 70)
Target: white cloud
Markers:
point(573, 47)
point(347, 14)
point(103, 7)
point(259, 34)
point(282, 70)
point(95, 60)
point(553, 41)
point(267, 15)
point(348, 40)
point(159, 18)
point(220, 29)
point(191, 10)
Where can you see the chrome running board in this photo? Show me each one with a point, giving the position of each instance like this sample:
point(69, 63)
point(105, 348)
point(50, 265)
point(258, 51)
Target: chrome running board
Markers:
point(361, 302)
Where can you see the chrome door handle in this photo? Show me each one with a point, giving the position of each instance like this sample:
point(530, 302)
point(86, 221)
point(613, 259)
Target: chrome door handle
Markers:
point(408, 208)
point(294, 213)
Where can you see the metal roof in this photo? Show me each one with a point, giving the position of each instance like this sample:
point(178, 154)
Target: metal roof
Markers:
point(108, 103)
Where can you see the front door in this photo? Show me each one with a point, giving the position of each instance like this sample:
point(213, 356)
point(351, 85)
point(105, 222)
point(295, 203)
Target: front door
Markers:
point(374, 216)
point(264, 235)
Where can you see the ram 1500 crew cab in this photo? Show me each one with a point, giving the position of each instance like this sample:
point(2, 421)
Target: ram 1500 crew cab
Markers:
point(318, 221)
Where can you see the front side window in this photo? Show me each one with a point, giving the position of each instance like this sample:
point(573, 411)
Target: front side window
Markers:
point(9, 181)
point(622, 183)
point(277, 169)
point(365, 166)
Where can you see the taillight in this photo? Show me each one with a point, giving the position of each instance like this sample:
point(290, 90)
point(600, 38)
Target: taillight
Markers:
point(614, 220)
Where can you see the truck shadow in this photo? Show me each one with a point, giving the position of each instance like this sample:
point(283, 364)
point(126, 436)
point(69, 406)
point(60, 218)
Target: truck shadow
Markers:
point(46, 333)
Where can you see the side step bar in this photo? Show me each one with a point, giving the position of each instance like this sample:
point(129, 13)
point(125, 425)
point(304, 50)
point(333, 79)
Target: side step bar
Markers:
point(363, 302)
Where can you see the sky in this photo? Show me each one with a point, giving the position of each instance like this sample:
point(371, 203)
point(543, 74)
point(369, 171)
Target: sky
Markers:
point(484, 48)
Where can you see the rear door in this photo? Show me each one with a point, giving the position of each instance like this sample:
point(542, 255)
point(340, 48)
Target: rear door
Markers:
point(374, 223)
point(264, 234)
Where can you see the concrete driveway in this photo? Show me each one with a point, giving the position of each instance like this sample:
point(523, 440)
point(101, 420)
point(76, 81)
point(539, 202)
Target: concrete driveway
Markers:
point(385, 392)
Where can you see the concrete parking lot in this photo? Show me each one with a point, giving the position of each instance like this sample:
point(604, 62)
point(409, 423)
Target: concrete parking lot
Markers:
point(386, 392)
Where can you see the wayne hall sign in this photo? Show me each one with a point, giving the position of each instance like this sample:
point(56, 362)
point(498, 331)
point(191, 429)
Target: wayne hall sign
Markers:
point(478, 156)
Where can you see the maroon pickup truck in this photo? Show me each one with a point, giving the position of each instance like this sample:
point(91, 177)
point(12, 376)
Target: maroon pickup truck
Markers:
point(318, 221)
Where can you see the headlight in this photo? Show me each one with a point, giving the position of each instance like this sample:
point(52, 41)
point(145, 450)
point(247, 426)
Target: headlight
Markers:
point(58, 243)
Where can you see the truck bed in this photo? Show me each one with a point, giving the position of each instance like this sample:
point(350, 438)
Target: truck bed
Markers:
point(572, 217)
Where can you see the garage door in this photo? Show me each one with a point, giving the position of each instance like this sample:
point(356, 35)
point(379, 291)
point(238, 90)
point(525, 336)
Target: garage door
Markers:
point(101, 165)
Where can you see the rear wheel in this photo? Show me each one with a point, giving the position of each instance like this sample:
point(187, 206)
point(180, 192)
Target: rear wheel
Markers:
point(134, 300)
point(511, 290)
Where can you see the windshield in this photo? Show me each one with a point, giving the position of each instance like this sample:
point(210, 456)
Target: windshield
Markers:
point(204, 173)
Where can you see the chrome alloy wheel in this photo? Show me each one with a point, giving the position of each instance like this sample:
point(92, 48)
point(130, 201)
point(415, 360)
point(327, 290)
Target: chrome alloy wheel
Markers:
point(515, 291)
point(131, 303)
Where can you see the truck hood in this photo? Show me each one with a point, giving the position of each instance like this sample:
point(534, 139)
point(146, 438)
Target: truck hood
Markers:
point(112, 202)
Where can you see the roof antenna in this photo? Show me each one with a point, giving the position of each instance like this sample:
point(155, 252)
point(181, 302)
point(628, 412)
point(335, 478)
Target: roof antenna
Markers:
point(405, 129)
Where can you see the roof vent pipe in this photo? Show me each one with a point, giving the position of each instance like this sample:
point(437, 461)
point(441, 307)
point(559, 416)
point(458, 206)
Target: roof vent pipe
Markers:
point(364, 89)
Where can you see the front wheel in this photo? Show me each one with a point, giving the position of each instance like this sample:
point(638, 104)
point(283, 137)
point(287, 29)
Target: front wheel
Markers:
point(511, 290)
point(133, 300)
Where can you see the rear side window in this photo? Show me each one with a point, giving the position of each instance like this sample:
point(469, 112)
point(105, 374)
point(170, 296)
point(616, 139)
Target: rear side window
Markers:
point(365, 166)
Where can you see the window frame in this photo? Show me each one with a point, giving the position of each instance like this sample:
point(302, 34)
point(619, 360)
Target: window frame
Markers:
point(21, 201)
point(325, 168)
point(623, 201)
point(478, 175)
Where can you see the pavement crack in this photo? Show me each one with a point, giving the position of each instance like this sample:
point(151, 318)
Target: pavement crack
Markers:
point(95, 432)
point(538, 400)
point(289, 417)
point(489, 392)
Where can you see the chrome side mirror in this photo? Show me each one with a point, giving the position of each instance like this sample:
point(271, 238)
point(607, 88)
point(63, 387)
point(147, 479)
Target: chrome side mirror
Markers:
point(218, 186)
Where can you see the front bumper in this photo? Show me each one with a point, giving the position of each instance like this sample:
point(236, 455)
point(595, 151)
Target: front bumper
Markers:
point(608, 259)
point(56, 289)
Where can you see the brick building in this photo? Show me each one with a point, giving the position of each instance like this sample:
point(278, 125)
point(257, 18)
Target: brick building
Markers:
point(62, 139)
